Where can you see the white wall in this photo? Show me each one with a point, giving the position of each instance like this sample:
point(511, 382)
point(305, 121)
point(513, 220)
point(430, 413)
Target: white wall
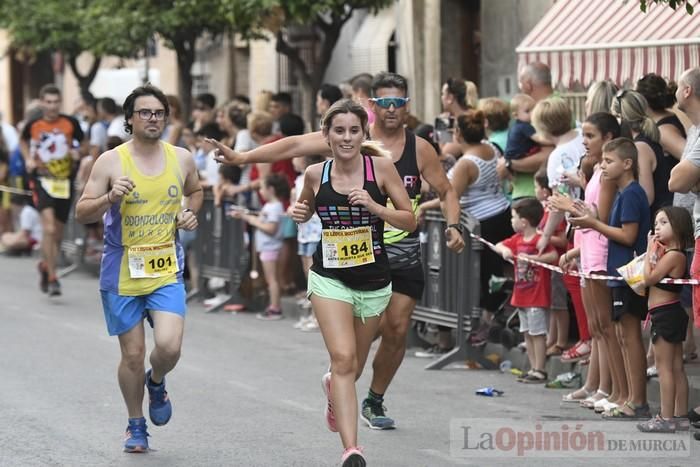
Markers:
point(340, 67)
point(263, 71)
point(504, 23)
point(5, 85)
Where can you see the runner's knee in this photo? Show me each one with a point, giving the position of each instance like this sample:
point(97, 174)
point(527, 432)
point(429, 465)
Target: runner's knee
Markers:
point(395, 331)
point(133, 356)
point(49, 229)
point(169, 350)
point(344, 363)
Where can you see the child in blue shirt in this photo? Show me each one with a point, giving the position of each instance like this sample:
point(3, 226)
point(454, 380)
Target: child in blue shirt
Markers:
point(520, 141)
point(629, 224)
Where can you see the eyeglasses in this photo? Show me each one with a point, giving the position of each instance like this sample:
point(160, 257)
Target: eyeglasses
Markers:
point(146, 114)
point(386, 102)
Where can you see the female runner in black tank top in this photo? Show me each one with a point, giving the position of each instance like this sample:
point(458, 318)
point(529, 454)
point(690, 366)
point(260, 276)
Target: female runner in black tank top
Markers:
point(349, 193)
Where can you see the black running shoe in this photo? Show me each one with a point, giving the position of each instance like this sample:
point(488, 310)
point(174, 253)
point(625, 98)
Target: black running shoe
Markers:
point(54, 289)
point(694, 418)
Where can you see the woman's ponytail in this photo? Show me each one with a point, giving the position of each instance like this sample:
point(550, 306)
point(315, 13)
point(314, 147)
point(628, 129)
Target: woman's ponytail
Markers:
point(650, 130)
point(374, 149)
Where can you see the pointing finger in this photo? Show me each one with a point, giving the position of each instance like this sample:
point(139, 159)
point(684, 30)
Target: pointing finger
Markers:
point(214, 142)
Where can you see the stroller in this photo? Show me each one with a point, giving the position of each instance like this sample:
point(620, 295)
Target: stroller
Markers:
point(503, 328)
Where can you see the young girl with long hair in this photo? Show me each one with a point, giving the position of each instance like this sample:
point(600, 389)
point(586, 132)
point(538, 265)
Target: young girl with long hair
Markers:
point(606, 385)
point(268, 238)
point(673, 232)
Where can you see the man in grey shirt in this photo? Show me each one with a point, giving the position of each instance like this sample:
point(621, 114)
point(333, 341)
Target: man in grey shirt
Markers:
point(685, 178)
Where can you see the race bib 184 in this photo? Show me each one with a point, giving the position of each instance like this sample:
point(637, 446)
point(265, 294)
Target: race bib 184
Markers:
point(347, 248)
point(152, 260)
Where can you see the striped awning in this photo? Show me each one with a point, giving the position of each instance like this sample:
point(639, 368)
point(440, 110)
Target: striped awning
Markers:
point(593, 40)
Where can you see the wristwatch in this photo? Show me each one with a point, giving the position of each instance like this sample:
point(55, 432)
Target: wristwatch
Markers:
point(458, 227)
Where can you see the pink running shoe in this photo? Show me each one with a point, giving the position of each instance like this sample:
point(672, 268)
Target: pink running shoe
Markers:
point(330, 416)
point(352, 457)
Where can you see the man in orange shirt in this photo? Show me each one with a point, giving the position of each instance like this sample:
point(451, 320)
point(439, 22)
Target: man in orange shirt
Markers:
point(47, 146)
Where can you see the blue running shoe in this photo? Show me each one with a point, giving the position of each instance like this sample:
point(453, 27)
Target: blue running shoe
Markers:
point(373, 414)
point(159, 407)
point(136, 436)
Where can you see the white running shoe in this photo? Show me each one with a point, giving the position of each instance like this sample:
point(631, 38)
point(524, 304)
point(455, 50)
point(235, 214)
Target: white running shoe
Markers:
point(311, 325)
point(301, 322)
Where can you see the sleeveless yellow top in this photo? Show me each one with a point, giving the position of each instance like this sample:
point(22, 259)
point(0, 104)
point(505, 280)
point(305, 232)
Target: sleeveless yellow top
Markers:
point(142, 251)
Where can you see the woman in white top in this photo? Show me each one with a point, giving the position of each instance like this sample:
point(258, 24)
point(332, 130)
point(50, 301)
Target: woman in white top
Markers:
point(476, 182)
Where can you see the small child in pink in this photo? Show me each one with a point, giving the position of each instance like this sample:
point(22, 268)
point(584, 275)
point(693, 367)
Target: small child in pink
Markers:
point(268, 238)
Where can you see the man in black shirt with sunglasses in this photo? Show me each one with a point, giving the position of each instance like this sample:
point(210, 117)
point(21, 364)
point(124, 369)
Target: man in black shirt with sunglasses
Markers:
point(415, 159)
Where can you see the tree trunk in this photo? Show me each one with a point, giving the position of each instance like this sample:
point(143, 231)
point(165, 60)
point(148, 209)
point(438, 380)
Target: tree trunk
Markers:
point(185, 49)
point(311, 80)
point(84, 81)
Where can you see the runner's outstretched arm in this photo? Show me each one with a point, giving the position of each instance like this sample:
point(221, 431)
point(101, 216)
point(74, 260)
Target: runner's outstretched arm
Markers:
point(431, 170)
point(309, 144)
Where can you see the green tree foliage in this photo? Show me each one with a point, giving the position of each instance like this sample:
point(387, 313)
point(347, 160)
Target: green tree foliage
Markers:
point(123, 28)
point(323, 18)
point(61, 26)
point(180, 23)
point(643, 4)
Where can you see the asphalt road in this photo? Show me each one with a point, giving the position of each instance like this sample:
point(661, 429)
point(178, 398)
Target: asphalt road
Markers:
point(245, 393)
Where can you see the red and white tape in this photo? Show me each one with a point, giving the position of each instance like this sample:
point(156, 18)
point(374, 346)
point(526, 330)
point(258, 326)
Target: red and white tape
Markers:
point(580, 274)
point(16, 191)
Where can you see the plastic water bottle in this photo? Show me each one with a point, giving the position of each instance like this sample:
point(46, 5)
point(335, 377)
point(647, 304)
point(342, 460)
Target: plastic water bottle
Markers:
point(568, 376)
point(505, 366)
point(489, 392)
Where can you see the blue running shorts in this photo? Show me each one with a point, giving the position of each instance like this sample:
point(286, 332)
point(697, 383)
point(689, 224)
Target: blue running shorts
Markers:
point(123, 312)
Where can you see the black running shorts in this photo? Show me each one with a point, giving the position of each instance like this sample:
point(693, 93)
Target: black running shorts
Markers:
point(42, 200)
point(408, 281)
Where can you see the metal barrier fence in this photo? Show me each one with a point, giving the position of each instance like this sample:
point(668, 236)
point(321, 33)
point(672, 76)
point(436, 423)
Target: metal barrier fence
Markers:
point(451, 296)
point(221, 248)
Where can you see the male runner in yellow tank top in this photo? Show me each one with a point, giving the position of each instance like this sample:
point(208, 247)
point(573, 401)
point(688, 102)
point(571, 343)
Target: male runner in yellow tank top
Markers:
point(138, 188)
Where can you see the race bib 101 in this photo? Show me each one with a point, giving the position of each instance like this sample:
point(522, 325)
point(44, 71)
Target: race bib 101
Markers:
point(347, 248)
point(148, 261)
